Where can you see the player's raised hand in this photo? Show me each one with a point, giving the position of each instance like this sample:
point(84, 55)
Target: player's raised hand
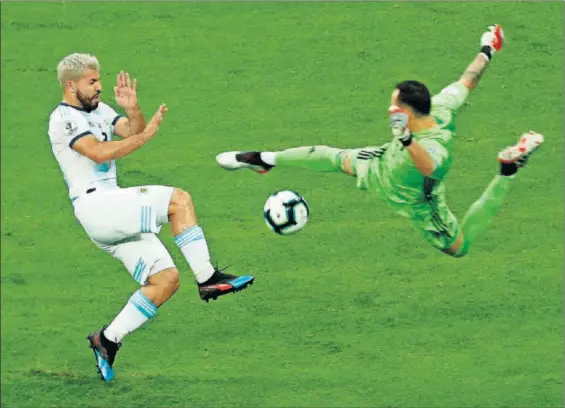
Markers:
point(125, 91)
point(493, 38)
point(153, 125)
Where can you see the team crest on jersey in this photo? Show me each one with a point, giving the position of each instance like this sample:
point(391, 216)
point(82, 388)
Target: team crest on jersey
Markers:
point(70, 127)
point(143, 190)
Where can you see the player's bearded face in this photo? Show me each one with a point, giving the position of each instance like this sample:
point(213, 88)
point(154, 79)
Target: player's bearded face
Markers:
point(88, 90)
point(89, 101)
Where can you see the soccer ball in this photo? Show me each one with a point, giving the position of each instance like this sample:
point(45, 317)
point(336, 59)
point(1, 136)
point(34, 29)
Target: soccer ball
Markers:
point(286, 212)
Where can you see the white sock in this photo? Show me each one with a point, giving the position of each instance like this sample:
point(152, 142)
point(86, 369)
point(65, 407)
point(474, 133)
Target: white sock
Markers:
point(137, 311)
point(195, 249)
point(269, 158)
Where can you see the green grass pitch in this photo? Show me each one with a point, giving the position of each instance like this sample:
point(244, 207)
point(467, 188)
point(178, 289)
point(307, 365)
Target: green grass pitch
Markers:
point(354, 311)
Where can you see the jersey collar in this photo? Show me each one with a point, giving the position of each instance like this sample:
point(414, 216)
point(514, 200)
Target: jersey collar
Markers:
point(71, 106)
point(426, 131)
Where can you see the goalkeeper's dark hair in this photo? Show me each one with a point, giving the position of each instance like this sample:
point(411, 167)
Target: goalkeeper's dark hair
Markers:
point(416, 95)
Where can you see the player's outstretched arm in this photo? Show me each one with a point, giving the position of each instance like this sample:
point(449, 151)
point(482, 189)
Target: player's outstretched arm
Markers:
point(101, 152)
point(125, 93)
point(491, 42)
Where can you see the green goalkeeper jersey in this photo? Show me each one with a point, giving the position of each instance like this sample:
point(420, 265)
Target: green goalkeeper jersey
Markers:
point(395, 177)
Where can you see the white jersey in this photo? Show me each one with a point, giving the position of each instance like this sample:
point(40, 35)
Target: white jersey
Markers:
point(67, 124)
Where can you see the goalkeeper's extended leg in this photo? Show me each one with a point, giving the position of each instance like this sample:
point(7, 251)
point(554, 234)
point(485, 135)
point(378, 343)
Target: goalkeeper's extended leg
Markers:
point(316, 158)
point(482, 211)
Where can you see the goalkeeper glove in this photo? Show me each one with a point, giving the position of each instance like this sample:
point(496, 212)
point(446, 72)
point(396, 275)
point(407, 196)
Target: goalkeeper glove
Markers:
point(399, 125)
point(492, 41)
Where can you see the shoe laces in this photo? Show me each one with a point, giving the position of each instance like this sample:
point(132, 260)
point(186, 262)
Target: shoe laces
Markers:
point(217, 269)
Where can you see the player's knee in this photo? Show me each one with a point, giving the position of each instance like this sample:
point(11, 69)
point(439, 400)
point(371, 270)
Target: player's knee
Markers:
point(174, 279)
point(171, 281)
point(182, 199)
point(347, 164)
point(458, 250)
point(461, 253)
point(168, 281)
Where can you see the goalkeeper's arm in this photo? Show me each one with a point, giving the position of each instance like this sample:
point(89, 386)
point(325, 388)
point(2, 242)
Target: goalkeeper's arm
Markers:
point(420, 156)
point(491, 42)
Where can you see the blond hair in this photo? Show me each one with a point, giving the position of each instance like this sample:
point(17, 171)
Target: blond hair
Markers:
point(72, 67)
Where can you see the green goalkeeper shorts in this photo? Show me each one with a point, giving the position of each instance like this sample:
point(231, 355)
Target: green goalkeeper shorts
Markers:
point(433, 218)
point(361, 162)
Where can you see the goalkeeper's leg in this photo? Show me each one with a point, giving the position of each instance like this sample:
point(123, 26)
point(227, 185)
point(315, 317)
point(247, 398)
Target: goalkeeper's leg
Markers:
point(316, 158)
point(482, 212)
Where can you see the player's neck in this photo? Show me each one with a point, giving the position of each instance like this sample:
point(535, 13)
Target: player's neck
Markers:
point(71, 99)
point(421, 124)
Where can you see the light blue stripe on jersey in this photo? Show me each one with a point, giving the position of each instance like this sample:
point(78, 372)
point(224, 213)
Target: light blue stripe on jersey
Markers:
point(143, 216)
point(138, 271)
point(149, 215)
point(144, 305)
point(191, 234)
point(146, 212)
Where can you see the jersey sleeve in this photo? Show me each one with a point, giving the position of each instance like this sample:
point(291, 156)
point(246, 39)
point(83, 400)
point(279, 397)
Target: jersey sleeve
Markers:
point(439, 155)
point(68, 129)
point(451, 97)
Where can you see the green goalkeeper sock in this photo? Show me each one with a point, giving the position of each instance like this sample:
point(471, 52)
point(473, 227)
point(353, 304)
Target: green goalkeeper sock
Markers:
point(317, 158)
point(481, 213)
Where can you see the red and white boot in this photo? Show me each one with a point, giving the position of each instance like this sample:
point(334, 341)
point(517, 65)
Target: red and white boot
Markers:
point(519, 154)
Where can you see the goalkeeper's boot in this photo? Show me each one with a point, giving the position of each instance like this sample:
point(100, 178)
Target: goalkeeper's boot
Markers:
point(104, 352)
point(514, 157)
point(221, 283)
point(243, 160)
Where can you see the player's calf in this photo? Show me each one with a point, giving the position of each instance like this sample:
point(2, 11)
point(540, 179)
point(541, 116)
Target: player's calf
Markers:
point(141, 307)
point(161, 286)
point(482, 211)
point(188, 235)
point(190, 239)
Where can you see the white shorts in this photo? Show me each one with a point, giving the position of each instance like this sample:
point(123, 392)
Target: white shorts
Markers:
point(124, 221)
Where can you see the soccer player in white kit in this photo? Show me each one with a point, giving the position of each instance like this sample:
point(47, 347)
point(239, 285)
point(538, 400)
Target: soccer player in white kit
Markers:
point(124, 221)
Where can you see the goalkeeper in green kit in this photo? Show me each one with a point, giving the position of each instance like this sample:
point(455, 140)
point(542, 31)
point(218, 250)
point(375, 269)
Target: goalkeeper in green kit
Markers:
point(408, 172)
